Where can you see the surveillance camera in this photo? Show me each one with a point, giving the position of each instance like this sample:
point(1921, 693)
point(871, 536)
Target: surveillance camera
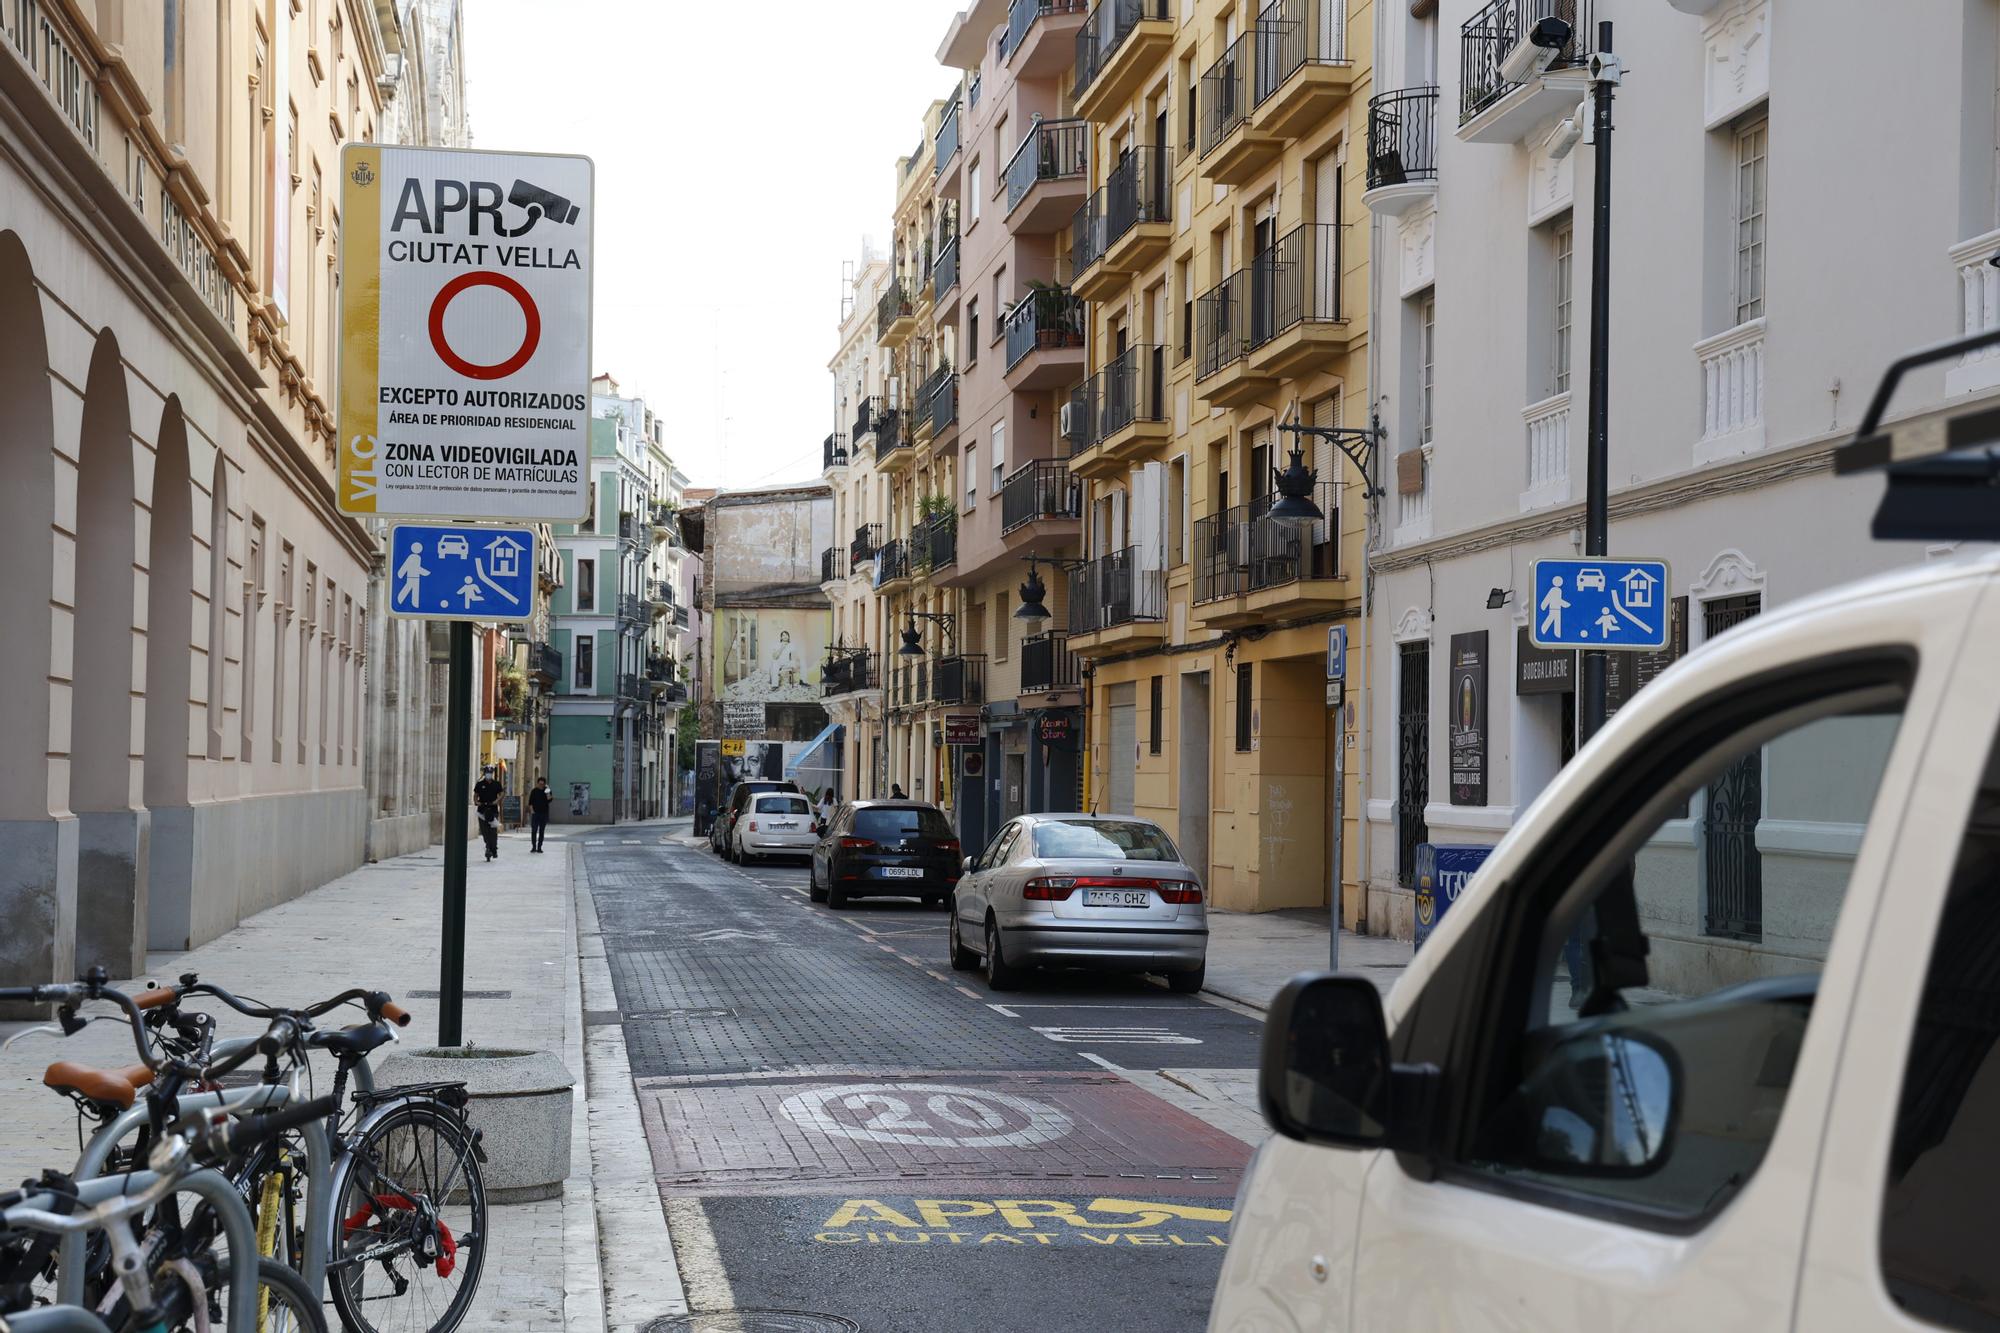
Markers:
point(1536, 51)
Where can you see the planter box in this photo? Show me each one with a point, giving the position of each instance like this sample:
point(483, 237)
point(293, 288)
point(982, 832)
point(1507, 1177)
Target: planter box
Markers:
point(519, 1101)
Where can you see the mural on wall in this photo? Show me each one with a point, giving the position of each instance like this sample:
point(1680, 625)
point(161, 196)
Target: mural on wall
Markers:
point(769, 655)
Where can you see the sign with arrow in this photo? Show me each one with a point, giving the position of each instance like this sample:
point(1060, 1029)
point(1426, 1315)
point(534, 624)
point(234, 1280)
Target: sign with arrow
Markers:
point(446, 571)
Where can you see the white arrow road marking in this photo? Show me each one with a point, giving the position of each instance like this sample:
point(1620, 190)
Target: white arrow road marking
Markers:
point(1128, 1036)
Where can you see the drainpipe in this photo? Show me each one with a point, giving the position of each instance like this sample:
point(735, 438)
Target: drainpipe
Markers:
point(1364, 826)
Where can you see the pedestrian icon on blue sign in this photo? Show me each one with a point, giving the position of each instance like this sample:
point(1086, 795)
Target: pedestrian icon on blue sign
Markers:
point(1600, 603)
point(449, 572)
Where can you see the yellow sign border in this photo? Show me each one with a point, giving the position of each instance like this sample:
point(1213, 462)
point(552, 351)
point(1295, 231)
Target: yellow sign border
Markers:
point(360, 325)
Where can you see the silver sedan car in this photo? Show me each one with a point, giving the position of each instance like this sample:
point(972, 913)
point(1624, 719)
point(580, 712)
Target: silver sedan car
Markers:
point(1097, 891)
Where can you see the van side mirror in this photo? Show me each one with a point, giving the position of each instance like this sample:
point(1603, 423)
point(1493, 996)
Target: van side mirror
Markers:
point(1326, 1076)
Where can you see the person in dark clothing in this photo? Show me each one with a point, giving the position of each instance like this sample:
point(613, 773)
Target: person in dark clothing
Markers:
point(538, 813)
point(486, 800)
point(896, 792)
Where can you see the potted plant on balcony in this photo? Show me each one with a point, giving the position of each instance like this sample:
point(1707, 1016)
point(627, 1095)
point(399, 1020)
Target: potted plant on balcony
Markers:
point(1058, 321)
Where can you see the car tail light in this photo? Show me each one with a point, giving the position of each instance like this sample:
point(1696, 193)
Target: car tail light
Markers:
point(854, 844)
point(948, 845)
point(753, 826)
point(1184, 892)
point(1045, 889)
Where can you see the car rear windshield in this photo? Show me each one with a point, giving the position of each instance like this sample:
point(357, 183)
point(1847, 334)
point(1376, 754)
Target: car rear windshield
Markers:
point(782, 805)
point(895, 824)
point(1102, 840)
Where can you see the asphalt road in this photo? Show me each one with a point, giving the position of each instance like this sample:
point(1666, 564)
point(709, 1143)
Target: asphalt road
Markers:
point(842, 1125)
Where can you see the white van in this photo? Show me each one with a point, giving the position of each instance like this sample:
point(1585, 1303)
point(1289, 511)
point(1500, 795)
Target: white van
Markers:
point(1709, 1042)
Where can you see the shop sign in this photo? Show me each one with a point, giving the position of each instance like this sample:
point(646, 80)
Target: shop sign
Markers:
point(1468, 718)
point(961, 729)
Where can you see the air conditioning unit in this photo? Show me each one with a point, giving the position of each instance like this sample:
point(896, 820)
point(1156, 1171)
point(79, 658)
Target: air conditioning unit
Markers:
point(1071, 421)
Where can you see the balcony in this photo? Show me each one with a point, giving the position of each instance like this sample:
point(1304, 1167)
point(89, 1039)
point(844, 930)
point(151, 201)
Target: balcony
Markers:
point(660, 597)
point(944, 281)
point(544, 665)
point(1117, 48)
point(910, 685)
point(1492, 109)
point(938, 400)
point(960, 679)
point(659, 671)
point(1041, 36)
point(1115, 601)
point(849, 672)
point(1047, 664)
point(892, 566)
point(1402, 150)
point(1233, 149)
point(1222, 371)
point(1250, 568)
point(1297, 321)
point(1303, 72)
point(867, 540)
point(632, 530)
point(866, 414)
point(681, 617)
point(893, 447)
point(947, 149)
point(629, 687)
point(934, 544)
point(667, 524)
point(895, 315)
point(1037, 493)
point(1048, 176)
point(835, 451)
point(1044, 340)
point(632, 612)
point(1126, 402)
point(832, 564)
point(1126, 225)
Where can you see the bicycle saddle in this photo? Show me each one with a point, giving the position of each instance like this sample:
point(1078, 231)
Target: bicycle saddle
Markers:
point(116, 1087)
point(357, 1040)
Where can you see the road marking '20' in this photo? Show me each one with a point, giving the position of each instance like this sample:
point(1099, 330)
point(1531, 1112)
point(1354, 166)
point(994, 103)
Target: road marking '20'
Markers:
point(931, 1115)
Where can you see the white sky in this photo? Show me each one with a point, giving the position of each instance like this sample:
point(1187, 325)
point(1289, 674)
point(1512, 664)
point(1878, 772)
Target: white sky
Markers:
point(743, 147)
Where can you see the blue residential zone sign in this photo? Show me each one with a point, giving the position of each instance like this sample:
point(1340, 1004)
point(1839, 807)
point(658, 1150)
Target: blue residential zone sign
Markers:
point(1600, 603)
point(453, 571)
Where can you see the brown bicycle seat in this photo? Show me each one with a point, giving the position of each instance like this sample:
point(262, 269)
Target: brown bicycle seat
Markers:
point(116, 1087)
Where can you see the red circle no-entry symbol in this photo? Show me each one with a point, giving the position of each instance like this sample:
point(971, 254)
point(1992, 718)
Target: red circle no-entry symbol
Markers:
point(529, 338)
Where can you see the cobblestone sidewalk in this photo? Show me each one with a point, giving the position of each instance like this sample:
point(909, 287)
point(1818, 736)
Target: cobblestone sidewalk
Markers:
point(379, 927)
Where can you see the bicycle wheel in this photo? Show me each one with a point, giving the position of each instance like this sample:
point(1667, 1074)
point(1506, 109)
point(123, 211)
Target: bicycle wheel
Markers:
point(409, 1225)
point(289, 1306)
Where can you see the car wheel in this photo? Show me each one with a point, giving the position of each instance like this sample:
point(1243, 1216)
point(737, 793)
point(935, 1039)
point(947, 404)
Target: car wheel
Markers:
point(1000, 974)
point(962, 958)
point(815, 892)
point(836, 897)
point(934, 901)
point(1187, 983)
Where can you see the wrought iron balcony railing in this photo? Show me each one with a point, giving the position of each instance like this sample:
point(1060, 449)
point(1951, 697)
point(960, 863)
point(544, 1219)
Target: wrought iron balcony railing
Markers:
point(934, 543)
point(867, 538)
point(1222, 324)
point(866, 414)
point(1139, 189)
point(1110, 23)
point(832, 564)
point(892, 562)
point(960, 679)
point(1087, 241)
point(1296, 281)
point(1243, 549)
point(1047, 664)
point(544, 663)
point(1292, 34)
point(944, 273)
point(849, 670)
point(1114, 590)
point(947, 139)
point(1048, 317)
point(629, 686)
point(1051, 150)
point(896, 303)
point(836, 450)
point(940, 398)
point(1023, 14)
point(1487, 37)
point(1130, 388)
point(1402, 137)
point(680, 616)
point(1225, 92)
point(1039, 490)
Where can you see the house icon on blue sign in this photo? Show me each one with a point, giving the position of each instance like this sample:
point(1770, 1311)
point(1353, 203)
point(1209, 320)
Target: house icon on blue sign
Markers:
point(1638, 585)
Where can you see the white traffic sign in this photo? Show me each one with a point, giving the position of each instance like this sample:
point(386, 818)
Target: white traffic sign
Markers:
point(464, 333)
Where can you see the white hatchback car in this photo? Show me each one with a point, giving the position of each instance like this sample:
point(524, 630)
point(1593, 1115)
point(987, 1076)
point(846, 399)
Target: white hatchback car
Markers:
point(776, 824)
point(1711, 1041)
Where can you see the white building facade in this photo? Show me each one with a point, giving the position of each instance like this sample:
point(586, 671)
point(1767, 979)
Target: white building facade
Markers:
point(1776, 242)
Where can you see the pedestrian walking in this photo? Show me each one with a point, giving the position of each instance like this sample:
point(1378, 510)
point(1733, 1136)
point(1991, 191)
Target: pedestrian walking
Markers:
point(538, 813)
point(825, 808)
point(486, 801)
point(896, 792)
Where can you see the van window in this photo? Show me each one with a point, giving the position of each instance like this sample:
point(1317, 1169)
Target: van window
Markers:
point(896, 823)
point(1944, 1162)
point(1662, 999)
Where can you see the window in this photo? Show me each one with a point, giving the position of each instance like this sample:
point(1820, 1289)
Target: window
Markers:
point(1243, 702)
point(1103, 840)
point(586, 585)
point(1153, 723)
point(589, 523)
point(972, 331)
point(1177, 511)
point(1942, 1161)
point(897, 823)
point(999, 301)
point(971, 477)
point(1003, 627)
point(1751, 147)
point(974, 196)
point(1188, 115)
point(1618, 1020)
point(586, 650)
point(1562, 242)
point(782, 805)
point(999, 441)
point(1186, 269)
point(1426, 364)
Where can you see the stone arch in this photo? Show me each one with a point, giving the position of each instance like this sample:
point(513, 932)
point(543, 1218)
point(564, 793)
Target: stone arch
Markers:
point(169, 615)
point(37, 855)
point(218, 602)
point(100, 747)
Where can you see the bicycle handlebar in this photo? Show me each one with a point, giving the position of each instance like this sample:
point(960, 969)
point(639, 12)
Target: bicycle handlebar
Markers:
point(378, 1003)
point(246, 1135)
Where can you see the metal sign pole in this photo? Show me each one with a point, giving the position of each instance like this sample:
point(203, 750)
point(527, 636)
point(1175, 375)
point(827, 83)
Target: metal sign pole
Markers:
point(1339, 828)
point(1597, 507)
point(457, 797)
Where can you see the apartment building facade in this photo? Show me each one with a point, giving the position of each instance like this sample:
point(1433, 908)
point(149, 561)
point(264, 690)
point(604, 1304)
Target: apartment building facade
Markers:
point(1744, 342)
point(1220, 293)
point(188, 608)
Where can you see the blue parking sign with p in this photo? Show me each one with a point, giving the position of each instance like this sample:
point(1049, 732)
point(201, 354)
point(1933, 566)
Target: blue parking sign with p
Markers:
point(1600, 603)
point(452, 571)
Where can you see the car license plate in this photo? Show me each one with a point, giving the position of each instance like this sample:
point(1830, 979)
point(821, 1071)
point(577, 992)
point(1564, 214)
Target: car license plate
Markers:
point(783, 823)
point(902, 872)
point(1117, 898)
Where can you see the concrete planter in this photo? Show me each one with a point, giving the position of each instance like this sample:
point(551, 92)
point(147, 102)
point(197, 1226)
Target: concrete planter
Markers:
point(520, 1101)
